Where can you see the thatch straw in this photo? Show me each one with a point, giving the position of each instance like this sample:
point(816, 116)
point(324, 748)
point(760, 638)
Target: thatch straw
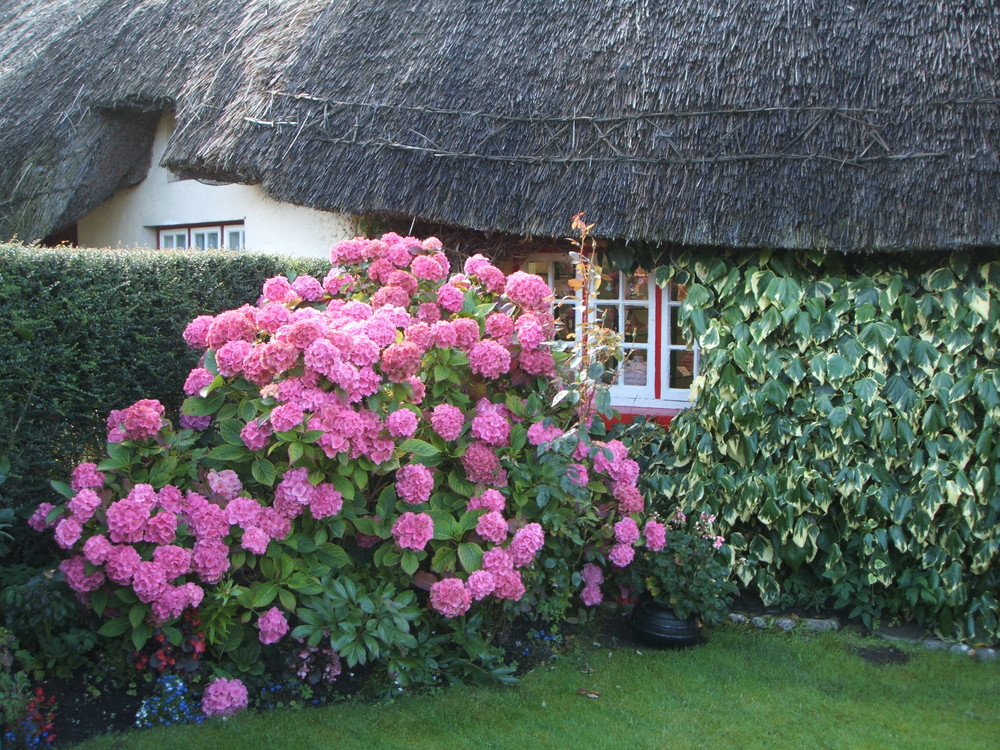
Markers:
point(791, 124)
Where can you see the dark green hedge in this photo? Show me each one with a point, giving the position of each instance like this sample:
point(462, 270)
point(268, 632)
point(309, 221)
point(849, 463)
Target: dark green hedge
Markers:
point(847, 431)
point(87, 331)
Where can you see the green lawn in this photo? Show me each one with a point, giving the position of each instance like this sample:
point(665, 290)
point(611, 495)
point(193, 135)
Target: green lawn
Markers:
point(744, 689)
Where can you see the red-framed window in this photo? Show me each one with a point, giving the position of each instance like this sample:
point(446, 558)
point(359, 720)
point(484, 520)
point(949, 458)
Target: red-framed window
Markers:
point(229, 235)
point(657, 369)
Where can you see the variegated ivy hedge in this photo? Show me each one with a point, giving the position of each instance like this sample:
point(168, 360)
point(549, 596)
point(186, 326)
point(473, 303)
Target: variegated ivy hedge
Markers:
point(847, 429)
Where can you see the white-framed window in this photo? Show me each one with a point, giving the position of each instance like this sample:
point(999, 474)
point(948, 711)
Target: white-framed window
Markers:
point(657, 367)
point(224, 236)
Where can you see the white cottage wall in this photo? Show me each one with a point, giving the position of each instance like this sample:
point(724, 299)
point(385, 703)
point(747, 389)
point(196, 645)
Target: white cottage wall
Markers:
point(131, 216)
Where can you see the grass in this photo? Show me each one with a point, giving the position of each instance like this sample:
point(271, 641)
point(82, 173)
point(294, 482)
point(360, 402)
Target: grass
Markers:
point(744, 689)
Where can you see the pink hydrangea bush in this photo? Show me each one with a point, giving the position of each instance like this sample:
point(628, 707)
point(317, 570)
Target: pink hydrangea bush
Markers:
point(388, 428)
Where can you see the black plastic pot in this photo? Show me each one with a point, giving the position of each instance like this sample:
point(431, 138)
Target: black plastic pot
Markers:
point(656, 625)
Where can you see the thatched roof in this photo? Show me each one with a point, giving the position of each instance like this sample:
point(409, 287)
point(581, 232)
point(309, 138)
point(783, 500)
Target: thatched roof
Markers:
point(813, 123)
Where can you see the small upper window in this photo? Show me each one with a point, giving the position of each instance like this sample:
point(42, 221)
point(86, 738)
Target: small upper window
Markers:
point(226, 236)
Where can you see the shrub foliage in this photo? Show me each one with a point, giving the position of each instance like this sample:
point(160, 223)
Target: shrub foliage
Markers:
point(847, 428)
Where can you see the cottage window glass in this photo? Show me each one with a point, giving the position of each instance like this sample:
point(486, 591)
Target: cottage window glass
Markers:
point(173, 239)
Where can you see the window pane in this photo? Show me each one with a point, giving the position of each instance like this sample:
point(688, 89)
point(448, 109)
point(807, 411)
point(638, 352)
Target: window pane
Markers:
point(607, 316)
point(637, 325)
point(676, 334)
point(636, 370)
point(637, 286)
point(681, 368)
point(562, 272)
point(610, 282)
point(213, 240)
point(167, 241)
point(678, 292)
point(234, 240)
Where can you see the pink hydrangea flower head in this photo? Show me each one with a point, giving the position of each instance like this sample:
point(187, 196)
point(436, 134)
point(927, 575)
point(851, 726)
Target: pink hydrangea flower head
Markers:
point(224, 697)
point(489, 359)
point(656, 535)
point(627, 531)
point(413, 530)
point(401, 361)
point(160, 529)
point(509, 585)
point(173, 560)
point(429, 312)
point(497, 560)
point(447, 421)
point(473, 264)
point(230, 357)
point(432, 245)
point(480, 584)
point(529, 333)
point(337, 282)
point(308, 288)
point(232, 325)
point(255, 435)
point(272, 625)
point(68, 532)
point(121, 562)
point(210, 559)
point(629, 496)
point(539, 433)
point(482, 465)
point(83, 504)
point(621, 555)
point(404, 280)
point(492, 527)
point(126, 520)
point(326, 501)
point(278, 289)
point(277, 357)
point(390, 296)
point(467, 333)
point(528, 290)
point(537, 362)
point(226, 483)
point(591, 595)
point(142, 420)
point(420, 334)
point(443, 334)
point(402, 423)
point(242, 512)
point(207, 521)
point(526, 543)
point(492, 278)
point(450, 298)
point(592, 574)
point(196, 333)
point(414, 483)
point(427, 268)
point(489, 499)
point(500, 326)
point(75, 571)
point(418, 389)
point(490, 426)
point(148, 581)
point(38, 519)
point(272, 317)
point(196, 424)
point(96, 549)
point(255, 540)
point(286, 417)
point(450, 597)
point(86, 476)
